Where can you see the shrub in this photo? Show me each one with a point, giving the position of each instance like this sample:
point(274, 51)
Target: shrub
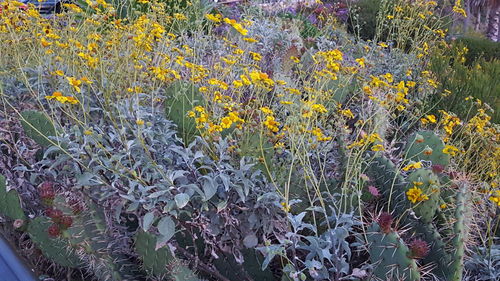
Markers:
point(479, 48)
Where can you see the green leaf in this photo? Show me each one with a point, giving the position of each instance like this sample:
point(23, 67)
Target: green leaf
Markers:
point(181, 200)
point(166, 227)
point(209, 188)
point(147, 221)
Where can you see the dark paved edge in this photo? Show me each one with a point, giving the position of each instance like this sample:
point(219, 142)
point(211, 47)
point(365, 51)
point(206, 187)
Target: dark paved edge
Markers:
point(12, 267)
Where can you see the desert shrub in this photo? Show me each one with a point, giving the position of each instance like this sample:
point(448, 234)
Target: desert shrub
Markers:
point(232, 147)
point(479, 48)
point(463, 85)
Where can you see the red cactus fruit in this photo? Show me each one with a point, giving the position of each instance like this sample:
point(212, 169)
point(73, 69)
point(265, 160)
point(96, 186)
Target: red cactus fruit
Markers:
point(385, 221)
point(47, 192)
point(55, 215)
point(66, 222)
point(418, 248)
point(438, 169)
point(54, 230)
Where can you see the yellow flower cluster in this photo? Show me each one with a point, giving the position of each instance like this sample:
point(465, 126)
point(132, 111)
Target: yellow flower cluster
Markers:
point(449, 121)
point(412, 166)
point(450, 149)
point(58, 96)
point(332, 59)
point(368, 139)
point(495, 197)
point(237, 26)
point(261, 79)
point(416, 195)
point(270, 121)
point(318, 133)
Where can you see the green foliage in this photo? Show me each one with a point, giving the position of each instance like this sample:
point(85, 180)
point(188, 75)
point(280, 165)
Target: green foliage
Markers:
point(38, 127)
point(251, 266)
point(55, 249)
point(183, 96)
point(426, 146)
point(465, 78)
point(390, 255)
point(479, 48)
point(10, 205)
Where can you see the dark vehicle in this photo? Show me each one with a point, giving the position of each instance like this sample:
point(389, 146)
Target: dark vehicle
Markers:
point(47, 6)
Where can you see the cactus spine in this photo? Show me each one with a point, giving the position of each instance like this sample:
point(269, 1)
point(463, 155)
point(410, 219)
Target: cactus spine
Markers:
point(426, 146)
point(391, 255)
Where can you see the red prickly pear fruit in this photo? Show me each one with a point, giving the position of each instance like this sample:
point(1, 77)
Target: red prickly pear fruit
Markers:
point(47, 191)
point(47, 185)
point(438, 169)
point(418, 249)
point(56, 215)
point(385, 221)
point(54, 230)
point(66, 222)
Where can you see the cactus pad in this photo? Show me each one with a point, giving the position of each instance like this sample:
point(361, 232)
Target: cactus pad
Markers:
point(38, 127)
point(182, 97)
point(55, 249)
point(428, 182)
point(154, 261)
point(10, 205)
point(426, 146)
point(391, 256)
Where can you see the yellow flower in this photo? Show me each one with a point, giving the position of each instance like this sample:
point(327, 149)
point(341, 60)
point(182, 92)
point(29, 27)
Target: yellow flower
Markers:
point(217, 18)
point(383, 45)
point(139, 122)
point(495, 197)
point(412, 166)
point(285, 207)
point(256, 56)
point(450, 149)
point(238, 27)
point(75, 83)
point(266, 110)
point(319, 108)
point(361, 62)
point(377, 147)
point(416, 195)
point(250, 40)
point(178, 16)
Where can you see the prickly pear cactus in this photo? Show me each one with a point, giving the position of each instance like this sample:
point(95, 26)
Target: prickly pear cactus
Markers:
point(457, 253)
point(38, 127)
point(390, 255)
point(10, 205)
point(154, 261)
point(182, 97)
point(426, 146)
point(385, 176)
point(181, 272)
point(88, 233)
point(428, 182)
point(55, 249)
